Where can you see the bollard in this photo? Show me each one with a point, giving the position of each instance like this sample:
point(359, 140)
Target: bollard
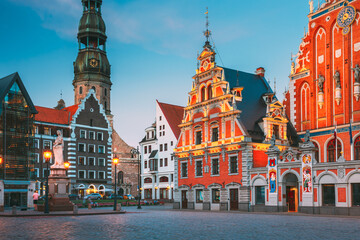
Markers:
point(75, 209)
point(13, 211)
point(118, 207)
point(89, 205)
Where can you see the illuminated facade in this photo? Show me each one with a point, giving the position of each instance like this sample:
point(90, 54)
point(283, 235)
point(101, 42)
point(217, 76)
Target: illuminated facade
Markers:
point(17, 178)
point(323, 97)
point(231, 120)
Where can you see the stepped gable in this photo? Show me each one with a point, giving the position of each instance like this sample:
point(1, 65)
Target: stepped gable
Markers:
point(174, 115)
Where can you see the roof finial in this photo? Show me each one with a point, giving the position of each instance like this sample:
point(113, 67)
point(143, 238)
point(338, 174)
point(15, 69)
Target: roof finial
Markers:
point(275, 85)
point(207, 32)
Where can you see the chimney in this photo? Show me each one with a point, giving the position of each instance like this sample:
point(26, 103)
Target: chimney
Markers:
point(260, 72)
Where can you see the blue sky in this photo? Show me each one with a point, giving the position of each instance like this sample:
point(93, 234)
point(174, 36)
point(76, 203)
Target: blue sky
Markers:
point(152, 47)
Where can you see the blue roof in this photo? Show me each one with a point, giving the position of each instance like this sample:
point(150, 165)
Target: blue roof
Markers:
point(252, 106)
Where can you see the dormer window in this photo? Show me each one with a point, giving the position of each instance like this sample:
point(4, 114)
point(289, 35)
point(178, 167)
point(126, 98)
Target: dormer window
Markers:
point(276, 131)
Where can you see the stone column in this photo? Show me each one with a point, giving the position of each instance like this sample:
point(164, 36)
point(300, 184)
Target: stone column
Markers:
point(143, 189)
point(206, 203)
point(177, 193)
point(224, 199)
point(273, 177)
point(307, 185)
point(244, 191)
point(190, 197)
point(2, 192)
point(169, 190)
point(153, 187)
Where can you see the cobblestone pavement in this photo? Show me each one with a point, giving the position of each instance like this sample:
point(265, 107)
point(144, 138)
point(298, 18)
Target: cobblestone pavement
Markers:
point(160, 223)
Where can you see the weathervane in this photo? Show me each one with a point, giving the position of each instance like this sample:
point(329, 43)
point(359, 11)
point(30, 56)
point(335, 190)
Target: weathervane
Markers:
point(207, 33)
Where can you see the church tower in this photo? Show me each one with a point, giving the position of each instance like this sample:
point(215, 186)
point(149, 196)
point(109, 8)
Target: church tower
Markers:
point(92, 68)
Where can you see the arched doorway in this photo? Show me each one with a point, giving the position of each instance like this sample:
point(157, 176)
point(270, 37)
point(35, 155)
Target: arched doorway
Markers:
point(291, 186)
point(121, 192)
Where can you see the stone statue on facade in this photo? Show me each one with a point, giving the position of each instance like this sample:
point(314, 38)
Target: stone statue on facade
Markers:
point(307, 137)
point(58, 150)
point(272, 141)
point(311, 5)
point(356, 70)
point(321, 81)
point(337, 79)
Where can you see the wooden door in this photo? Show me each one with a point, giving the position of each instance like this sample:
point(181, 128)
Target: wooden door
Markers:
point(234, 199)
point(184, 199)
point(291, 200)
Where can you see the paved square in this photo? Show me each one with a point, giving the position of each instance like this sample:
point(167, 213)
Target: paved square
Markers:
point(160, 223)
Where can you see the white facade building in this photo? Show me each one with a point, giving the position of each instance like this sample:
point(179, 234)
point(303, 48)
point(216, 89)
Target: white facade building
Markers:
point(157, 167)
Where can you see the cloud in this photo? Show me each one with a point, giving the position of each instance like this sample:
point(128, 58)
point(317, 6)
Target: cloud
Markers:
point(61, 16)
point(160, 26)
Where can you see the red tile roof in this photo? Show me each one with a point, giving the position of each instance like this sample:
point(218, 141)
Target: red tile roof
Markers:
point(174, 115)
point(51, 115)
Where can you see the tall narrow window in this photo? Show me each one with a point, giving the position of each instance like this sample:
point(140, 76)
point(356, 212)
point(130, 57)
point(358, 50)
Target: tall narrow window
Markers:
point(355, 193)
point(121, 177)
point(184, 173)
point(215, 166)
point(199, 171)
point(276, 131)
point(317, 154)
point(215, 195)
point(233, 164)
point(209, 90)
point(198, 137)
point(215, 134)
point(80, 90)
point(93, 88)
point(203, 94)
point(105, 91)
point(357, 148)
point(331, 150)
point(305, 111)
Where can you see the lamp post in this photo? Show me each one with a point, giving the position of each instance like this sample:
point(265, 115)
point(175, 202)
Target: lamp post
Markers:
point(66, 165)
point(133, 152)
point(115, 161)
point(47, 156)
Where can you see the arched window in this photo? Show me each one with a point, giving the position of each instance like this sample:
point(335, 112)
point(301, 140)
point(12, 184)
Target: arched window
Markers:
point(105, 105)
point(147, 180)
point(317, 154)
point(121, 177)
point(305, 111)
point(331, 150)
point(105, 91)
point(93, 88)
point(80, 90)
point(164, 179)
point(202, 94)
point(357, 148)
point(209, 90)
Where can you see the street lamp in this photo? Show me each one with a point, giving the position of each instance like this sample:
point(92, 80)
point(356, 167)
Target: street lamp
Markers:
point(115, 161)
point(47, 156)
point(133, 152)
point(66, 165)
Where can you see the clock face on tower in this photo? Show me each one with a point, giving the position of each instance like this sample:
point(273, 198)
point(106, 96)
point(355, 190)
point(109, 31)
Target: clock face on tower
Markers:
point(346, 16)
point(94, 62)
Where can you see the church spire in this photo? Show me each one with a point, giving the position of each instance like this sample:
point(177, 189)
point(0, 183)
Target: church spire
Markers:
point(92, 68)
